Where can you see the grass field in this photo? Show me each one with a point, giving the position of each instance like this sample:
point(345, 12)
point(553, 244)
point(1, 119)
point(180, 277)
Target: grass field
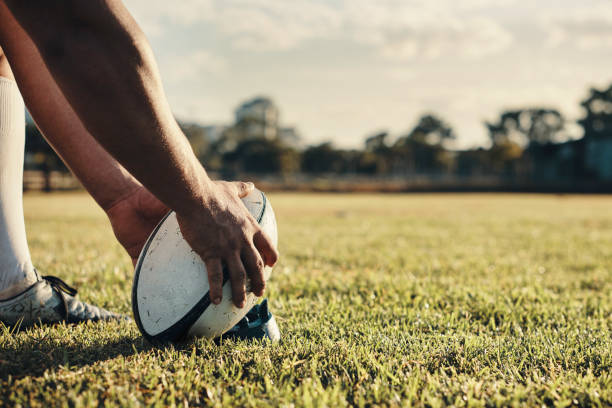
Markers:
point(425, 300)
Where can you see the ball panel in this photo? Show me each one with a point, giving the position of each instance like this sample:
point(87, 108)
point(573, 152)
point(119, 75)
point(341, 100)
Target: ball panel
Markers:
point(176, 279)
point(256, 203)
point(268, 224)
point(170, 290)
point(217, 319)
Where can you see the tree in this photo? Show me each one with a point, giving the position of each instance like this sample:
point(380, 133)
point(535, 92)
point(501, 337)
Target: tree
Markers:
point(527, 126)
point(597, 123)
point(377, 142)
point(432, 131)
point(322, 158)
point(376, 157)
point(424, 149)
point(261, 156)
point(594, 159)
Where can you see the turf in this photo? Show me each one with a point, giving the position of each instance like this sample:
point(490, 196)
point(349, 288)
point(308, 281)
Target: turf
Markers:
point(424, 300)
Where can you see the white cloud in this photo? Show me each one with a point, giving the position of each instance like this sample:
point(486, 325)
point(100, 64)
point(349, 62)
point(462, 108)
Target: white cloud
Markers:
point(398, 29)
point(154, 15)
point(586, 28)
point(255, 24)
point(275, 25)
point(401, 74)
point(192, 66)
point(419, 29)
point(475, 37)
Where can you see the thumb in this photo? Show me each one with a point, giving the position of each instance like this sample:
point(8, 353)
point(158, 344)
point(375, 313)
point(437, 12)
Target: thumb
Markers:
point(244, 188)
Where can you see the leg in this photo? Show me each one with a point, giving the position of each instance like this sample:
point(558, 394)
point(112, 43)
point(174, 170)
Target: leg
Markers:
point(25, 298)
point(16, 270)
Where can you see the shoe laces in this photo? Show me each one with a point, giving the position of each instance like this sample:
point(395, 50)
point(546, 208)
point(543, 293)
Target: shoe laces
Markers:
point(61, 288)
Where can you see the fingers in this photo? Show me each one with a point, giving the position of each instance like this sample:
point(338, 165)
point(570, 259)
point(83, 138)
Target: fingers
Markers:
point(215, 279)
point(244, 188)
point(237, 278)
point(255, 269)
point(236, 266)
point(265, 247)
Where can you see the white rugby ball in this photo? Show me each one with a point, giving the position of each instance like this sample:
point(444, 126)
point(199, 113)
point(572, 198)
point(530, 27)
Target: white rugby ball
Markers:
point(170, 296)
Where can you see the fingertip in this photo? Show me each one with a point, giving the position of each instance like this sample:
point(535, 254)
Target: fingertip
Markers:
point(270, 256)
point(273, 257)
point(215, 280)
point(259, 289)
point(268, 252)
point(238, 279)
point(216, 295)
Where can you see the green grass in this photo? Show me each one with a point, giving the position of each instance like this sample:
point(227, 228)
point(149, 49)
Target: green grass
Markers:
point(425, 300)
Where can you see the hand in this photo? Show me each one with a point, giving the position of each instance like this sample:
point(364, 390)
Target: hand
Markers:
point(134, 218)
point(222, 231)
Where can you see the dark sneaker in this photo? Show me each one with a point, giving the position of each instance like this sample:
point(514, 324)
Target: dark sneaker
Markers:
point(49, 301)
point(257, 324)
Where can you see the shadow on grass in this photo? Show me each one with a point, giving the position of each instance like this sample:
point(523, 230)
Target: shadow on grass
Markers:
point(33, 356)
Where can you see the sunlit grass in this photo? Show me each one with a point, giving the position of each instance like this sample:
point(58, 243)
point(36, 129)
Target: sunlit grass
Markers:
point(427, 300)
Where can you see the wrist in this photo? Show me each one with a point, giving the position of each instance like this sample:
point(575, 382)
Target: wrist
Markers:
point(116, 189)
point(109, 206)
point(200, 193)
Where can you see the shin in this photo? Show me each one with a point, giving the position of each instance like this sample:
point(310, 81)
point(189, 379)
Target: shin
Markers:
point(16, 270)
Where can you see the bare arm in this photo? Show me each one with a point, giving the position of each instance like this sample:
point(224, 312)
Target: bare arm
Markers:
point(103, 65)
point(61, 126)
point(132, 210)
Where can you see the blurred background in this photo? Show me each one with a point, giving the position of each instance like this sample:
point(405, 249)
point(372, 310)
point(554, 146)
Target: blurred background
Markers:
point(387, 95)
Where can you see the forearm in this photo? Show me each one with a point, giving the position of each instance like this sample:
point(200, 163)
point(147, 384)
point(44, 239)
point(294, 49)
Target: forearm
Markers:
point(105, 179)
point(105, 68)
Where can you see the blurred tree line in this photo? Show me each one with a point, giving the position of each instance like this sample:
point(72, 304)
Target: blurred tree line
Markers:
point(525, 144)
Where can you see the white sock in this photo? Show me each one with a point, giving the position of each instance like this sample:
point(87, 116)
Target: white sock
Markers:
point(16, 270)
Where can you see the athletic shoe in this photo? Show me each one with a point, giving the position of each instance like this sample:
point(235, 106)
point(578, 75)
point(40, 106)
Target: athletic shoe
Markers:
point(48, 301)
point(257, 324)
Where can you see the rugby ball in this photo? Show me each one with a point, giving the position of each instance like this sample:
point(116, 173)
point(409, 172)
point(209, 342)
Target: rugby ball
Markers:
point(170, 296)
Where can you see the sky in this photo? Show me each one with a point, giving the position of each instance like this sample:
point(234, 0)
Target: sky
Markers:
point(341, 70)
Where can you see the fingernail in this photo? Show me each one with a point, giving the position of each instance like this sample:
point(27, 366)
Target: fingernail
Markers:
point(217, 300)
point(250, 186)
